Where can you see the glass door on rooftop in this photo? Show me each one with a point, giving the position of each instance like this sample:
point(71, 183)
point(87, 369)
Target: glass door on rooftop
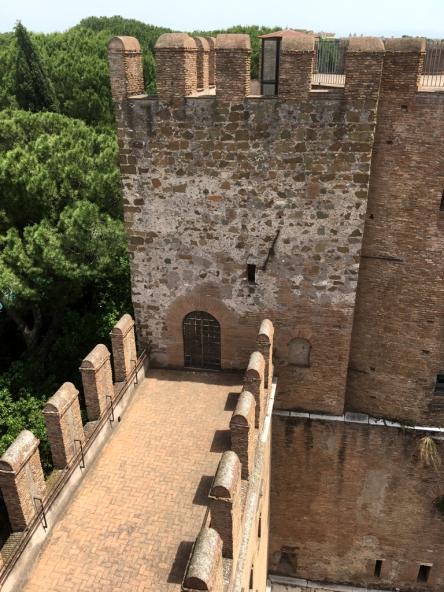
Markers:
point(270, 66)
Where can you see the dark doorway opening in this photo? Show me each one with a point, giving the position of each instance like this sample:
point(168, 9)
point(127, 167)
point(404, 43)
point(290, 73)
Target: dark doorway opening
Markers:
point(201, 341)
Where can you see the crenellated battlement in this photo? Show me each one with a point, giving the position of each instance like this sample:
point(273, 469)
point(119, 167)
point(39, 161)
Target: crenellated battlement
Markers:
point(230, 540)
point(187, 66)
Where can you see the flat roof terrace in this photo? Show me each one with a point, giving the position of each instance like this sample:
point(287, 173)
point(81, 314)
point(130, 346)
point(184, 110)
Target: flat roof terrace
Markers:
point(131, 524)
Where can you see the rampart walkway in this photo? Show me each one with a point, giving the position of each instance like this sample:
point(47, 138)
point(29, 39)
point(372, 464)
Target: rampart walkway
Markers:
point(132, 522)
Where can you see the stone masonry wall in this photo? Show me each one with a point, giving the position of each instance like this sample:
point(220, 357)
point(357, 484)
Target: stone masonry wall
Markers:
point(210, 187)
point(398, 337)
point(346, 495)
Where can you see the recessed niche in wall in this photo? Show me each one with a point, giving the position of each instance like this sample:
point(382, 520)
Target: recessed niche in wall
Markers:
point(251, 273)
point(378, 567)
point(299, 352)
point(423, 573)
point(439, 385)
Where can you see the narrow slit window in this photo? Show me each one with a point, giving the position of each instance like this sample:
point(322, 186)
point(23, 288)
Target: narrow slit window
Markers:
point(251, 578)
point(259, 527)
point(378, 567)
point(424, 573)
point(439, 385)
point(441, 205)
point(251, 273)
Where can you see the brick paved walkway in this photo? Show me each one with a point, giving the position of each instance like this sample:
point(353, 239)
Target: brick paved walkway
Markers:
point(131, 524)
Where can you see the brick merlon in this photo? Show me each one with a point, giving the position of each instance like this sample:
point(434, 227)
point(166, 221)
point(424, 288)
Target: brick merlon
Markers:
point(227, 476)
point(19, 452)
point(96, 358)
point(266, 330)
point(206, 556)
point(233, 41)
point(365, 45)
point(123, 326)
point(124, 44)
point(244, 407)
point(176, 41)
point(297, 43)
point(406, 45)
point(256, 365)
point(62, 399)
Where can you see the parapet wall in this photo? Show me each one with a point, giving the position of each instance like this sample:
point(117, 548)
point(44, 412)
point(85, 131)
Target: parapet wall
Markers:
point(33, 503)
point(231, 550)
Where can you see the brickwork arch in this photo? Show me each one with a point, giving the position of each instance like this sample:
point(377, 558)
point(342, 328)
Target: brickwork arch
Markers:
point(235, 349)
point(201, 340)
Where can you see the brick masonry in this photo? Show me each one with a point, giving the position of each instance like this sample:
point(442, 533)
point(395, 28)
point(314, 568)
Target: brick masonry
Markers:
point(346, 495)
point(22, 480)
point(97, 379)
point(64, 424)
point(123, 342)
point(398, 338)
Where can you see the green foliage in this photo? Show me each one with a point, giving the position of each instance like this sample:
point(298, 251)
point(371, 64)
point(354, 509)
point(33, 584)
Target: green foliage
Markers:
point(76, 63)
point(33, 88)
point(146, 34)
point(7, 71)
point(48, 161)
point(64, 276)
point(21, 414)
point(78, 68)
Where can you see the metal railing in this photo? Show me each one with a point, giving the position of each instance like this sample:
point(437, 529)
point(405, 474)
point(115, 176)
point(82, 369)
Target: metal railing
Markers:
point(329, 62)
point(433, 69)
point(78, 461)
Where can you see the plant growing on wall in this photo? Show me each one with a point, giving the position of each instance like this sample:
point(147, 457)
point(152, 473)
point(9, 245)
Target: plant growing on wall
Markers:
point(428, 452)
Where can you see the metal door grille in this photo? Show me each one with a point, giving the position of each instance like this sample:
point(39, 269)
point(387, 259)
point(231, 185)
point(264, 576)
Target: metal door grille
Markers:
point(201, 341)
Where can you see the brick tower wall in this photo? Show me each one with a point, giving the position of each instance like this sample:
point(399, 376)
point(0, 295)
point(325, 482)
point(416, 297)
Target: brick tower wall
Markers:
point(398, 338)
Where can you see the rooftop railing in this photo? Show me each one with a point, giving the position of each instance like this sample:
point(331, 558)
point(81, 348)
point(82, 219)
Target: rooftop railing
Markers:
point(433, 69)
point(329, 62)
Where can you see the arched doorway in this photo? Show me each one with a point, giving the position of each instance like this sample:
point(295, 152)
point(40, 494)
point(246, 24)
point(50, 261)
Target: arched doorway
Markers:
point(201, 341)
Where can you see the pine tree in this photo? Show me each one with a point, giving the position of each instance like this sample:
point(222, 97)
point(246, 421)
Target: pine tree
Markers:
point(33, 88)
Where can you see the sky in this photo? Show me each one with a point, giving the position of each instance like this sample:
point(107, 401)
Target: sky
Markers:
point(369, 17)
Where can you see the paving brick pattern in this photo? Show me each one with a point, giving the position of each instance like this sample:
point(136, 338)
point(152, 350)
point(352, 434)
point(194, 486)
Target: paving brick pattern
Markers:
point(131, 524)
